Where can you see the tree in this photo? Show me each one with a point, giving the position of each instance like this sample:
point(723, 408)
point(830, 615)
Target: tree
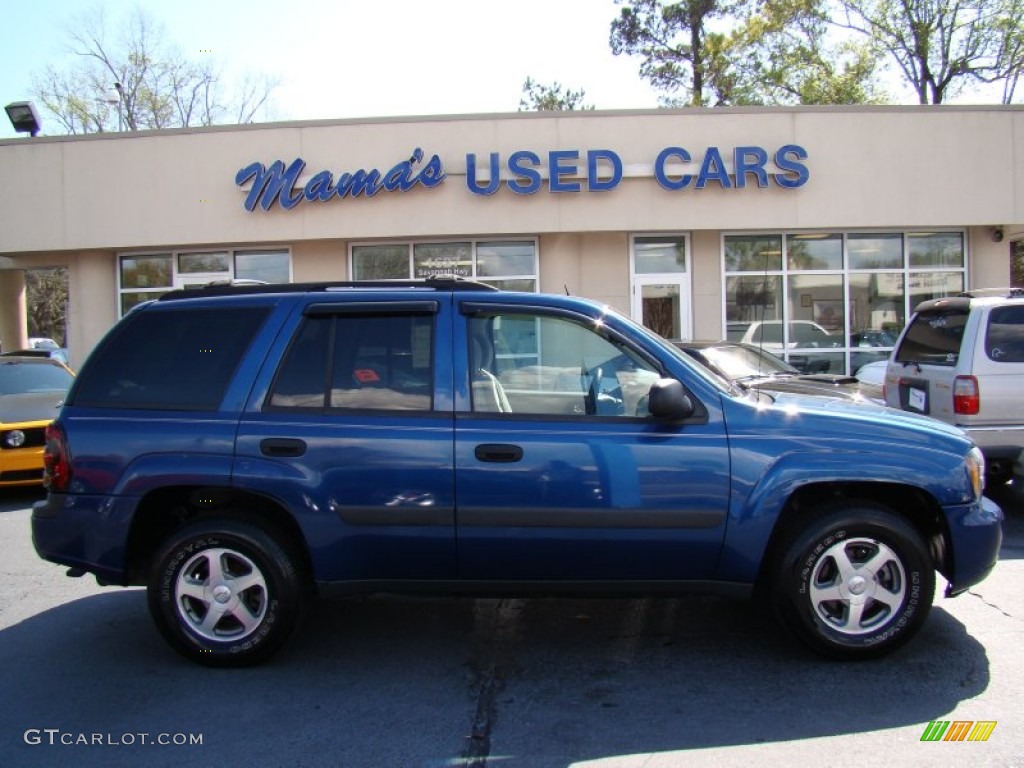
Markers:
point(140, 82)
point(46, 299)
point(550, 98)
point(943, 46)
point(678, 53)
point(719, 52)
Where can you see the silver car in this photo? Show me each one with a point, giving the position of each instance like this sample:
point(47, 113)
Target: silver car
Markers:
point(961, 360)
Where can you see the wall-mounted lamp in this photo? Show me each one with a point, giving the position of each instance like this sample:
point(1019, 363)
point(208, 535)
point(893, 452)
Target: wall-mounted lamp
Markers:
point(23, 117)
point(997, 234)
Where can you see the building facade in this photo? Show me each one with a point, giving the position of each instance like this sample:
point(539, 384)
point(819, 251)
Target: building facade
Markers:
point(814, 231)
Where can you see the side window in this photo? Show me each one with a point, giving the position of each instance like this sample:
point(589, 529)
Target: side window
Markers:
point(1004, 340)
point(172, 359)
point(528, 364)
point(356, 361)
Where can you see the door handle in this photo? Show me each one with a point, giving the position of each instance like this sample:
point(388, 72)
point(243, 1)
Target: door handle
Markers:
point(282, 447)
point(498, 452)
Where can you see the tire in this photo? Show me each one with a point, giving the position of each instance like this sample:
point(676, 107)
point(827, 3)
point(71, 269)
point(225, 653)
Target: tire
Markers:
point(856, 582)
point(225, 593)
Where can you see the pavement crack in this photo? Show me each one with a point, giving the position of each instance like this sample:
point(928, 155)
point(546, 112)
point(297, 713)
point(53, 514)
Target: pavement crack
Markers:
point(990, 604)
point(492, 655)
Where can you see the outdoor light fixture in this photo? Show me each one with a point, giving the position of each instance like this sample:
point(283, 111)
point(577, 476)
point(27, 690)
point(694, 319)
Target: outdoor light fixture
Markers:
point(23, 117)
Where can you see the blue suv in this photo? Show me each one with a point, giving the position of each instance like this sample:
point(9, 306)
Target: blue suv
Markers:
point(235, 448)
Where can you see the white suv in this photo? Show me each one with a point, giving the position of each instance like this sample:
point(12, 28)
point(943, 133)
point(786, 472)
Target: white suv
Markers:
point(961, 360)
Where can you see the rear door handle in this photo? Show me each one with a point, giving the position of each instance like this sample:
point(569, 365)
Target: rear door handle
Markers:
point(279, 447)
point(498, 452)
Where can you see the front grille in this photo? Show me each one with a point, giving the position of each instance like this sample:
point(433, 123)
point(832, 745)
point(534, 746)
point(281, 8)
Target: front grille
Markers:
point(21, 475)
point(34, 438)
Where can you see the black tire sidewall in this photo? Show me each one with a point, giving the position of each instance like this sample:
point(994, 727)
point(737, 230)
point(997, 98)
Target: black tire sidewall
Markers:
point(284, 593)
point(806, 550)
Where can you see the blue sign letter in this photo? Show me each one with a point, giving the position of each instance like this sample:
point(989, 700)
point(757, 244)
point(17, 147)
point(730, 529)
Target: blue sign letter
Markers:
point(659, 168)
point(594, 183)
point(789, 167)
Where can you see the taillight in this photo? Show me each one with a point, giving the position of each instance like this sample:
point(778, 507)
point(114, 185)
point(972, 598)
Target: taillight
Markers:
point(56, 460)
point(966, 399)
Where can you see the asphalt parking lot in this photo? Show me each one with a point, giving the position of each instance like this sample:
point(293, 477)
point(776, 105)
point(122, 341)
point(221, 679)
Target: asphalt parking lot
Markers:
point(389, 681)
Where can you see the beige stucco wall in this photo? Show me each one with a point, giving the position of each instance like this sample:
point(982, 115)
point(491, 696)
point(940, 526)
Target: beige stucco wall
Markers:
point(871, 167)
point(81, 200)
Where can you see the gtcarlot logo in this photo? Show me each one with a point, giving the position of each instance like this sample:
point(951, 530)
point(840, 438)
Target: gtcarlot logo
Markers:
point(55, 737)
point(958, 730)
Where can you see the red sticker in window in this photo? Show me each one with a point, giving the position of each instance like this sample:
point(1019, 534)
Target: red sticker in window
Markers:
point(366, 375)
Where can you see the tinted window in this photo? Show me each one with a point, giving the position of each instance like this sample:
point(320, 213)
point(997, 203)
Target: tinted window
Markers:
point(1004, 341)
point(358, 361)
point(176, 359)
point(933, 338)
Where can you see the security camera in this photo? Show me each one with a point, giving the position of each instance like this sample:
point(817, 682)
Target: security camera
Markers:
point(997, 234)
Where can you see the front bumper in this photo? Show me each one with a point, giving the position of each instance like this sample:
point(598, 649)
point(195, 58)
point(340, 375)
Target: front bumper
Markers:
point(976, 532)
point(86, 532)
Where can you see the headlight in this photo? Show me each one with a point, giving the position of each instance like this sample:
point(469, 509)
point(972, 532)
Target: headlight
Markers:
point(975, 464)
point(14, 439)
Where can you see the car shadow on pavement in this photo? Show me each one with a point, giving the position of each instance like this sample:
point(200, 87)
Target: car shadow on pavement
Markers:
point(424, 681)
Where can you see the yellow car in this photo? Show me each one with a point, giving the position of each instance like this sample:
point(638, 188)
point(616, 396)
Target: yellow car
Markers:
point(31, 391)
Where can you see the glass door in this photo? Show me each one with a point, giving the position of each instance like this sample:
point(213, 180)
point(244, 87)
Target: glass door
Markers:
point(660, 305)
point(661, 284)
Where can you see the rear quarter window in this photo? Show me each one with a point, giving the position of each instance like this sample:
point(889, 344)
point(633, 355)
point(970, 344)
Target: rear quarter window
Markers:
point(933, 338)
point(181, 359)
point(1004, 337)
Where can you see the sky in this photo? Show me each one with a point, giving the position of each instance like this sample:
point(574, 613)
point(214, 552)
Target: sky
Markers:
point(358, 58)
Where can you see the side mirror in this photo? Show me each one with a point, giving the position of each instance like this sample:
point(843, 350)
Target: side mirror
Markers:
point(668, 401)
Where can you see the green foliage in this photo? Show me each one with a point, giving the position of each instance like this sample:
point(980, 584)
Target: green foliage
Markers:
point(777, 52)
point(550, 98)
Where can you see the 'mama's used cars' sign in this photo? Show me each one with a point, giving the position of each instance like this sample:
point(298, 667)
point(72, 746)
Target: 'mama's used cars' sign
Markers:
point(525, 172)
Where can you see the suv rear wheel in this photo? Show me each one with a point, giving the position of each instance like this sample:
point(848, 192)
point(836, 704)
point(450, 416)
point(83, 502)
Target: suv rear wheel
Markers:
point(855, 583)
point(225, 593)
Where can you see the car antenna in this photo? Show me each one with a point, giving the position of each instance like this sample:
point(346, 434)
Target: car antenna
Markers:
point(566, 286)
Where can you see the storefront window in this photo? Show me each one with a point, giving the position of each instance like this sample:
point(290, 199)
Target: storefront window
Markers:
point(496, 259)
point(753, 253)
point(507, 264)
point(438, 259)
point(815, 304)
point(659, 255)
point(815, 251)
point(869, 251)
point(147, 271)
point(268, 266)
point(192, 263)
point(936, 249)
point(148, 276)
point(380, 262)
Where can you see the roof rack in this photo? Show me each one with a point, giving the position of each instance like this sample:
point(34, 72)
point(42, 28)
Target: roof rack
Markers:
point(1007, 293)
point(240, 288)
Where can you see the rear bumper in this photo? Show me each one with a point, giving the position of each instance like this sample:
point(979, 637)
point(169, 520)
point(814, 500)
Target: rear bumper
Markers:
point(87, 532)
point(976, 531)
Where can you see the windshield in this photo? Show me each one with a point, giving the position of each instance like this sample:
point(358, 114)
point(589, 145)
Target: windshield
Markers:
point(743, 362)
point(19, 378)
point(933, 337)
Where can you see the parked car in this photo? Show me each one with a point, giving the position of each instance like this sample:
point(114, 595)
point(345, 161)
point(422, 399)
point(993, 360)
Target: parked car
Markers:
point(31, 390)
point(234, 448)
point(754, 368)
point(873, 373)
point(41, 347)
point(961, 360)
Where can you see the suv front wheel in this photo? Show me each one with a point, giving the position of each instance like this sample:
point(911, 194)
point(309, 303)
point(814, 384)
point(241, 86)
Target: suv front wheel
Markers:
point(225, 593)
point(855, 583)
